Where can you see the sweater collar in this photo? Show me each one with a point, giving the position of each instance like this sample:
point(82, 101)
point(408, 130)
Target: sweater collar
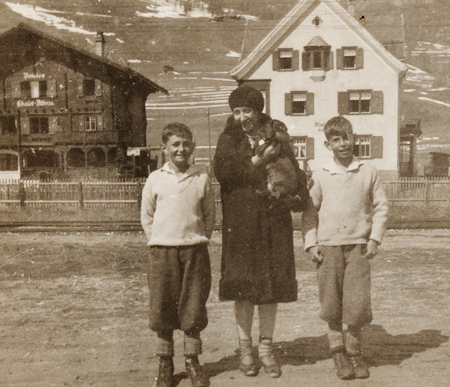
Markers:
point(192, 170)
point(334, 168)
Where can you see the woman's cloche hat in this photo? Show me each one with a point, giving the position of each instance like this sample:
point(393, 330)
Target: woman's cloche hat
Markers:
point(246, 96)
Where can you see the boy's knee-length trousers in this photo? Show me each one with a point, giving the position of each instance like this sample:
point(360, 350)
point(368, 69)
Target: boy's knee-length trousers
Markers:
point(344, 285)
point(179, 280)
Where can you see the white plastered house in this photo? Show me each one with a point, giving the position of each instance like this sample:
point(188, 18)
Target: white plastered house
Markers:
point(319, 62)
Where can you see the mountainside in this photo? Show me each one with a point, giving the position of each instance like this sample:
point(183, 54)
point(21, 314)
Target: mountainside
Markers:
point(182, 34)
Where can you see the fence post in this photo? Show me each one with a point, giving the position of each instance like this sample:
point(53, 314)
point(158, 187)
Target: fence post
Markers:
point(427, 192)
point(139, 192)
point(21, 194)
point(80, 194)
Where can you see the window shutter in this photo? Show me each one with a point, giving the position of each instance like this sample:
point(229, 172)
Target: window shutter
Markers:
point(81, 123)
point(339, 59)
point(309, 148)
point(288, 104)
point(343, 102)
point(359, 58)
point(377, 102)
point(98, 87)
point(51, 89)
point(25, 125)
point(276, 60)
point(377, 147)
point(330, 61)
point(53, 127)
point(306, 65)
point(295, 60)
point(310, 103)
point(16, 89)
point(1, 90)
point(99, 122)
point(80, 91)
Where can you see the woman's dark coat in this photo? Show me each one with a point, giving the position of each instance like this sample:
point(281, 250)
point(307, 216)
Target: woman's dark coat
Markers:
point(258, 253)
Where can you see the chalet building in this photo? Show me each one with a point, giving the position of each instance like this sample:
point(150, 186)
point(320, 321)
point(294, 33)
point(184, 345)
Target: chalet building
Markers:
point(320, 62)
point(65, 111)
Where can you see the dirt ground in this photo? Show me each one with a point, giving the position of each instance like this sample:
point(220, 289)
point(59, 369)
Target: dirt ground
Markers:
point(73, 312)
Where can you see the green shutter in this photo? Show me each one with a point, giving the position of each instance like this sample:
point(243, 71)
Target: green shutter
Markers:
point(309, 148)
point(25, 125)
point(310, 103)
point(99, 122)
point(288, 104)
point(339, 59)
point(377, 147)
point(306, 61)
point(295, 60)
point(343, 102)
point(80, 90)
point(359, 58)
point(330, 61)
point(276, 60)
point(53, 124)
point(377, 102)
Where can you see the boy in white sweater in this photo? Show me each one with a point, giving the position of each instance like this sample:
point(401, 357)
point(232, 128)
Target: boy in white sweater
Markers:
point(343, 225)
point(178, 218)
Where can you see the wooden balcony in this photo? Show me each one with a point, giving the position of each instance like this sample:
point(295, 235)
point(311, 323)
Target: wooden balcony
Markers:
point(94, 137)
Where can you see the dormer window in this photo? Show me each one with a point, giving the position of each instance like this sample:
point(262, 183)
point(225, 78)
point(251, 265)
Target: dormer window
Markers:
point(317, 55)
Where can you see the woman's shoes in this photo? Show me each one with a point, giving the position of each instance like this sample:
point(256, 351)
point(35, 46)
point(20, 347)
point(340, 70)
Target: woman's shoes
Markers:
point(271, 367)
point(247, 363)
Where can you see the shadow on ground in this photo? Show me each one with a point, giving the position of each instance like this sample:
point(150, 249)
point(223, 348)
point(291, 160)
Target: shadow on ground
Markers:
point(380, 348)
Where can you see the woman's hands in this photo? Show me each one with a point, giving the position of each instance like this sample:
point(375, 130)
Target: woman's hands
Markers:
point(270, 153)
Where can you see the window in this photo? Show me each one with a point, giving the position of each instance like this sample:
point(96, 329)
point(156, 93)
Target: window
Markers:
point(299, 103)
point(33, 89)
point(39, 125)
point(362, 147)
point(359, 102)
point(299, 145)
point(317, 55)
point(88, 87)
point(349, 58)
point(90, 123)
point(285, 60)
point(7, 125)
point(368, 147)
point(9, 162)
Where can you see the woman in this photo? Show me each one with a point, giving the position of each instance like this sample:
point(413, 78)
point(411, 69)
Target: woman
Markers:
point(257, 254)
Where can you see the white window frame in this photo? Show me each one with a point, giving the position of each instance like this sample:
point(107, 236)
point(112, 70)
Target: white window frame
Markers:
point(364, 144)
point(299, 147)
point(359, 96)
point(348, 52)
point(283, 58)
point(90, 123)
point(299, 97)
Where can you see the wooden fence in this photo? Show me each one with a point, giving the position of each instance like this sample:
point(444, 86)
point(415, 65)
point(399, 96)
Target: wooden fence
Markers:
point(33, 193)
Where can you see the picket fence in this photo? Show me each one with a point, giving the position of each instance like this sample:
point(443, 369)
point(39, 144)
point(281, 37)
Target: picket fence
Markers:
point(114, 193)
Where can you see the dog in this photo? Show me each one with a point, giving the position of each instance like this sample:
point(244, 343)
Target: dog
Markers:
point(282, 176)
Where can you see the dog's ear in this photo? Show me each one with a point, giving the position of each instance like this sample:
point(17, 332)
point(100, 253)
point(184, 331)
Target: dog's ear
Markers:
point(267, 131)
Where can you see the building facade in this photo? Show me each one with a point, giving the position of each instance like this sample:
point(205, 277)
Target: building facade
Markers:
point(65, 111)
point(319, 62)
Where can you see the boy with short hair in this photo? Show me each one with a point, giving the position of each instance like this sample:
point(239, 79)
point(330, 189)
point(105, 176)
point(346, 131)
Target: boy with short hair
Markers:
point(178, 218)
point(343, 225)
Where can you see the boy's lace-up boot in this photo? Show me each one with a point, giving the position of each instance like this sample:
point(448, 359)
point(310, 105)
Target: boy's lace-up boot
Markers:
point(165, 372)
point(344, 369)
point(353, 347)
point(195, 372)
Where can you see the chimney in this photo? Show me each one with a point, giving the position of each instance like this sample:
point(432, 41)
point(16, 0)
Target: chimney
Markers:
point(100, 44)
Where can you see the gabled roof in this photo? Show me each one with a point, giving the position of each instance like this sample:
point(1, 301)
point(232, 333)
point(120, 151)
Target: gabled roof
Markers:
point(292, 20)
point(18, 41)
